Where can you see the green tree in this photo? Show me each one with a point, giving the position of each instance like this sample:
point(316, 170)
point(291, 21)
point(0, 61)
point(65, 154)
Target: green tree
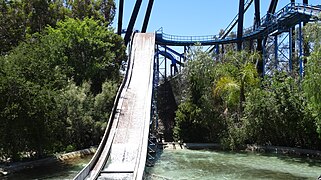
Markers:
point(312, 80)
point(102, 10)
point(12, 25)
point(197, 118)
point(93, 52)
point(20, 19)
point(277, 115)
point(234, 76)
point(42, 110)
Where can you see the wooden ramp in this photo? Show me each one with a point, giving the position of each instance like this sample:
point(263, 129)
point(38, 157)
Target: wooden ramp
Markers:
point(122, 152)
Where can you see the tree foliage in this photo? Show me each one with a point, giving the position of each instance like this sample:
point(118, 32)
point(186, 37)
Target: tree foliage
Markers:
point(312, 80)
point(277, 114)
point(235, 76)
point(197, 117)
point(57, 88)
point(19, 19)
point(242, 108)
point(94, 53)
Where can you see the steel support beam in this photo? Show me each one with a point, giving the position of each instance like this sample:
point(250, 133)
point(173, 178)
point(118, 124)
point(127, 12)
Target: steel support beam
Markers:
point(257, 23)
point(301, 65)
point(306, 2)
point(276, 52)
point(264, 57)
point(290, 50)
point(157, 60)
point(270, 11)
point(147, 15)
point(180, 61)
point(292, 41)
point(272, 6)
point(257, 14)
point(306, 49)
point(165, 74)
point(217, 49)
point(120, 16)
point(132, 21)
point(240, 25)
point(185, 53)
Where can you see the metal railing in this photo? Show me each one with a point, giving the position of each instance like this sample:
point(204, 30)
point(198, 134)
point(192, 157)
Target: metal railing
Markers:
point(266, 20)
point(189, 38)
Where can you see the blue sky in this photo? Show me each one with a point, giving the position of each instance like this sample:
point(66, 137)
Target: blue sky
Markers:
point(193, 17)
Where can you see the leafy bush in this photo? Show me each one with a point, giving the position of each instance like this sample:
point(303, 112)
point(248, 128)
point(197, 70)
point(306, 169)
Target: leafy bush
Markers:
point(197, 118)
point(85, 115)
point(55, 94)
point(312, 80)
point(240, 110)
point(93, 52)
point(278, 115)
point(21, 19)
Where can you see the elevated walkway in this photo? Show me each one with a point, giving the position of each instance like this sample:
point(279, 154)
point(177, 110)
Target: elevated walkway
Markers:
point(123, 150)
point(279, 22)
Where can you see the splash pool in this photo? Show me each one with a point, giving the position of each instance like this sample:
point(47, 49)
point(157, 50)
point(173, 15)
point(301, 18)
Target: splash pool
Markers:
point(192, 164)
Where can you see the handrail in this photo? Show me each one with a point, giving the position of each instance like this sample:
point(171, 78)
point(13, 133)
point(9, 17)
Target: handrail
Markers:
point(266, 20)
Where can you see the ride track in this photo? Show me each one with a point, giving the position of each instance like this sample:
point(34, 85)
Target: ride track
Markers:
point(122, 152)
point(282, 21)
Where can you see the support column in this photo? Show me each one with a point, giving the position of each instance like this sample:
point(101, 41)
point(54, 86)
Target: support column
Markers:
point(217, 49)
point(165, 62)
point(293, 35)
point(306, 49)
point(290, 50)
point(120, 16)
point(185, 53)
point(301, 65)
point(132, 21)
point(263, 58)
point(276, 51)
point(180, 62)
point(222, 49)
point(157, 60)
point(272, 6)
point(147, 15)
point(240, 25)
point(257, 22)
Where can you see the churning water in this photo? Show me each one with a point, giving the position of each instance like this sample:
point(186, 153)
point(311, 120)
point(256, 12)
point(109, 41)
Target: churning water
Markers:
point(205, 165)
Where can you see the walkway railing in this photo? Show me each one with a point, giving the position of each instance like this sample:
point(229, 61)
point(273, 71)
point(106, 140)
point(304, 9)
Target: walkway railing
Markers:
point(269, 20)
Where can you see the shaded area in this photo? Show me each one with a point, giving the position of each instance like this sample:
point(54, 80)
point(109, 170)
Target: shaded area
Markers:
point(56, 170)
point(167, 106)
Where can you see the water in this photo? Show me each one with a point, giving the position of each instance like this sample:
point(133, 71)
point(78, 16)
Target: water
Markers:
point(53, 171)
point(191, 164)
